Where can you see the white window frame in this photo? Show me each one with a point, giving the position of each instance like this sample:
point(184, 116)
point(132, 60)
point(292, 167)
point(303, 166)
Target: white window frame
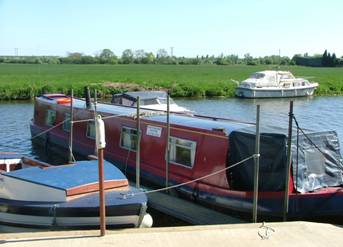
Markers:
point(173, 144)
point(48, 116)
point(121, 138)
point(88, 129)
point(66, 122)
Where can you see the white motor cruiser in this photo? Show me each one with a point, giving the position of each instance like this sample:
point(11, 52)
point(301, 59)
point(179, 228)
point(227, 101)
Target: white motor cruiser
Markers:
point(272, 84)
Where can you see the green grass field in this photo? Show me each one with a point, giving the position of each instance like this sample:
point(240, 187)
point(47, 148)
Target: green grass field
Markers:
point(23, 81)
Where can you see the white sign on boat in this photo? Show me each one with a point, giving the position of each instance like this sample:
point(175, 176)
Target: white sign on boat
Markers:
point(154, 131)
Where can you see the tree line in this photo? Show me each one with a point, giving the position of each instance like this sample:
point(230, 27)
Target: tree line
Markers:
point(106, 56)
point(318, 60)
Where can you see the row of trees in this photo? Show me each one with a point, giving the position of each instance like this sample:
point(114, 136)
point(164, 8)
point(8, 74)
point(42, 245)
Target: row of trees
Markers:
point(106, 56)
point(318, 60)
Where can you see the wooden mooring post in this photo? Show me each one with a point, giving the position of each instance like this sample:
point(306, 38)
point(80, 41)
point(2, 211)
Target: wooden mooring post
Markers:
point(101, 144)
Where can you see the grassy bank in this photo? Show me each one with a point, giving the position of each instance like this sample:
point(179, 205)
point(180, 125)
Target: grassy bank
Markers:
point(23, 81)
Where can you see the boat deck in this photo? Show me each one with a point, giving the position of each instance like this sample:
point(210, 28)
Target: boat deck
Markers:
point(188, 211)
point(68, 176)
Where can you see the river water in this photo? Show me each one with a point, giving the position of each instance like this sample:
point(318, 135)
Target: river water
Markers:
point(315, 113)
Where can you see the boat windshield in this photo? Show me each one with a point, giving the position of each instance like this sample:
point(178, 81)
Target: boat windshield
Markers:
point(257, 76)
point(164, 101)
point(286, 76)
point(149, 102)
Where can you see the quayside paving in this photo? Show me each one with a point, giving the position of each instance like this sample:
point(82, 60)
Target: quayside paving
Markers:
point(271, 234)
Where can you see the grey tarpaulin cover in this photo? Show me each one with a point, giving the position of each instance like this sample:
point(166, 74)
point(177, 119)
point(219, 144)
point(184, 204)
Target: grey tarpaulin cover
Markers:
point(319, 161)
point(312, 168)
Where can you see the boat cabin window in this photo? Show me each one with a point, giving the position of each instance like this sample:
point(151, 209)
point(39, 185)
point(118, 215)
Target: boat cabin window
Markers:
point(91, 130)
point(128, 138)
point(50, 118)
point(257, 76)
point(182, 152)
point(285, 77)
point(149, 102)
point(66, 123)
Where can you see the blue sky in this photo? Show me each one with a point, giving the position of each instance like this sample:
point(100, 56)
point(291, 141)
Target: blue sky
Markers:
point(192, 27)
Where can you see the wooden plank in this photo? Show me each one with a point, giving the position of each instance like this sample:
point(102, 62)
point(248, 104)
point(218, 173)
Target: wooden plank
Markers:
point(188, 211)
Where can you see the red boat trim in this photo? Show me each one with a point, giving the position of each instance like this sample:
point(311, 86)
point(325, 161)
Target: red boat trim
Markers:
point(34, 162)
point(87, 188)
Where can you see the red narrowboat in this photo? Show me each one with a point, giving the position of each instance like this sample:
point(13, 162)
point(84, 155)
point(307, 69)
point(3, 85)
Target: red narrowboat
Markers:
point(200, 146)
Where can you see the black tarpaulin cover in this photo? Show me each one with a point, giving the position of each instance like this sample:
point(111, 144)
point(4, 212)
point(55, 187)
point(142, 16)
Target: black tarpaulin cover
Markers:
point(317, 167)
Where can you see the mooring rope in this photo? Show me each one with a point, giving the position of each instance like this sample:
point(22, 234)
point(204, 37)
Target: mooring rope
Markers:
point(265, 231)
point(126, 195)
point(71, 152)
point(47, 130)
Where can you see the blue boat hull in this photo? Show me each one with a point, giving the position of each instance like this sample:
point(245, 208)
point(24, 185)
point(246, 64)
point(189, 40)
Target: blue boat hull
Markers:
point(79, 213)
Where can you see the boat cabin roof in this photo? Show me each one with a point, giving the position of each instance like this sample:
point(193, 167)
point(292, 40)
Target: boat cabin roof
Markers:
point(195, 122)
point(271, 75)
point(184, 120)
point(66, 177)
point(53, 96)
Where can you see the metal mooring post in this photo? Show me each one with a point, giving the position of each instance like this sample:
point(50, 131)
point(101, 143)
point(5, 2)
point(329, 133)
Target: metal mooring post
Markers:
point(101, 144)
point(289, 162)
point(257, 164)
point(95, 115)
point(71, 119)
point(168, 137)
point(138, 145)
point(87, 97)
